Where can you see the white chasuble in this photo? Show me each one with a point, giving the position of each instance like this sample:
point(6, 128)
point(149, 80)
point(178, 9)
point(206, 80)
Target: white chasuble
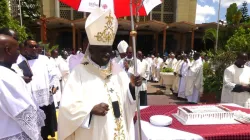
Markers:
point(87, 87)
point(232, 76)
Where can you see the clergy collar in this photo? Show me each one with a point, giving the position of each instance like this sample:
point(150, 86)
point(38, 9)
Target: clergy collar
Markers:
point(30, 57)
point(96, 65)
point(129, 58)
point(6, 65)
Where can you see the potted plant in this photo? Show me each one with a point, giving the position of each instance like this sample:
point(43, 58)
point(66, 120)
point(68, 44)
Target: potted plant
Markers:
point(167, 79)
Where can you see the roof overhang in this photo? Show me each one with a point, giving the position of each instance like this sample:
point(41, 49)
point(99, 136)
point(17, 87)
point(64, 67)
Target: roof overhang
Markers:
point(182, 26)
point(124, 24)
point(205, 26)
point(55, 22)
point(79, 23)
point(151, 25)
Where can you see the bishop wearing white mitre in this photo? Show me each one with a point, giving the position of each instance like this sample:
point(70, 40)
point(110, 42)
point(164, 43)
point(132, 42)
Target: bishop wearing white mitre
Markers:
point(122, 49)
point(98, 99)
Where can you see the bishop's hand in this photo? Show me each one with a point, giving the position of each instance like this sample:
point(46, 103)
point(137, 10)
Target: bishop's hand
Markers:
point(100, 109)
point(135, 80)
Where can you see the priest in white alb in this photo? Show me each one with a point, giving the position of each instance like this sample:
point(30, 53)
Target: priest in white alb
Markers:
point(182, 75)
point(176, 83)
point(194, 80)
point(236, 83)
point(98, 99)
point(43, 85)
point(20, 118)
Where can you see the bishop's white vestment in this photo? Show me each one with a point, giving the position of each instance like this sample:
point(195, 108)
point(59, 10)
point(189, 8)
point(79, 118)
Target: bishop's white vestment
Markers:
point(87, 86)
point(20, 118)
point(233, 76)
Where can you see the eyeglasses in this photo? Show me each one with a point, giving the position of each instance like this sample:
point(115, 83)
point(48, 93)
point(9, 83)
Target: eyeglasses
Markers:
point(32, 46)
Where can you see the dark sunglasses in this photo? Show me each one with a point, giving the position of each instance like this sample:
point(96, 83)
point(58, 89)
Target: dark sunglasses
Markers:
point(32, 46)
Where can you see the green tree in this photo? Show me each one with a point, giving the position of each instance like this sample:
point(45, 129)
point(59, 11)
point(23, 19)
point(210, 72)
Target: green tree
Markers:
point(30, 11)
point(244, 11)
point(233, 15)
point(7, 21)
point(240, 41)
point(210, 34)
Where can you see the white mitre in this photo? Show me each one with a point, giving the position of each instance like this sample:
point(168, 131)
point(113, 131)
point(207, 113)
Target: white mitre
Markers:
point(122, 46)
point(101, 27)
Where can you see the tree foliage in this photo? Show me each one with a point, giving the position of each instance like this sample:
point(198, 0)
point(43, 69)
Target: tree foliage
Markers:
point(7, 21)
point(244, 11)
point(48, 48)
point(233, 15)
point(30, 10)
point(240, 41)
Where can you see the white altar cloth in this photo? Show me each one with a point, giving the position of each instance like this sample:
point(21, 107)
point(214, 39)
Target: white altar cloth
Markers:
point(151, 132)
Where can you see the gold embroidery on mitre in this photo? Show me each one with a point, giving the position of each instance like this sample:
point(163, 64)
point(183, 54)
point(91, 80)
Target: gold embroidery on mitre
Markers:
point(107, 35)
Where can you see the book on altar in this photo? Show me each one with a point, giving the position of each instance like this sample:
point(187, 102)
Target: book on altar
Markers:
point(25, 68)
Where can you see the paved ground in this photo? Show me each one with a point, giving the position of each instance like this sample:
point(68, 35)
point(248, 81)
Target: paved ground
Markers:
point(156, 96)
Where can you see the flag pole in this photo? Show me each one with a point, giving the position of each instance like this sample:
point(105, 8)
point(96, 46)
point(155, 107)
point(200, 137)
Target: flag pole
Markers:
point(133, 34)
point(218, 27)
point(20, 12)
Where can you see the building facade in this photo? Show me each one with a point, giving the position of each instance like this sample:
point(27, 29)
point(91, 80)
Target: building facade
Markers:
point(177, 16)
point(169, 11)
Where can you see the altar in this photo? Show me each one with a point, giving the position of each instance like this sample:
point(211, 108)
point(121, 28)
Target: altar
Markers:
point(178, 131)
point(167, 80)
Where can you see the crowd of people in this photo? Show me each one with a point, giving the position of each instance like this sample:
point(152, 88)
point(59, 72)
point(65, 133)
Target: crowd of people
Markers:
point(94, 89)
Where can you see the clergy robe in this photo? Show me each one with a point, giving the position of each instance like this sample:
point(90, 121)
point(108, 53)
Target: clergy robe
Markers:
point(55, 66)
point(143, 71)
point(172, 62)
point(182, 83)
point(64, 69)
point(194, 81)
point(117, 59)
point(87, 87)
point(175, 85)
point(20, 118)
point(150, 61)
point(43, 79)
point(158, 61)
point(232, 76)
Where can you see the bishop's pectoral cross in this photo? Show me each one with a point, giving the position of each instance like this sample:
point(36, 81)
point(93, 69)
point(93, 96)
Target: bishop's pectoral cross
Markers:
point(111, 90)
